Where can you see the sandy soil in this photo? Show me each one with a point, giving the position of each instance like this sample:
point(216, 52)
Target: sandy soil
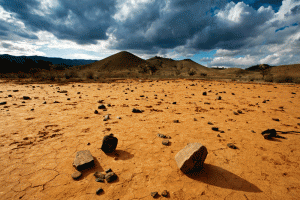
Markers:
point(37, 147)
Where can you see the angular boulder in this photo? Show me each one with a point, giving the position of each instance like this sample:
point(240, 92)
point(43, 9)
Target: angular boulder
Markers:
point(109, 143)
point(83, 160)
point(191, 157)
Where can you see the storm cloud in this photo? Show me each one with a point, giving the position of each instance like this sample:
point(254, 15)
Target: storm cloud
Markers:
point(246, 31)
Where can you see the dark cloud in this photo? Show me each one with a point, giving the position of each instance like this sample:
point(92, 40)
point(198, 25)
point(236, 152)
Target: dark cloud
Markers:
point(84, 22)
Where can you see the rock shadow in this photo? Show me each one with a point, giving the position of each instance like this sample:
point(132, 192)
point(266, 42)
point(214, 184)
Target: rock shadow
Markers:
point(217, 176)
point(120, 155)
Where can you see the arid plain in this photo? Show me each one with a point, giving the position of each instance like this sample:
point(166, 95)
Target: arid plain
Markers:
point(38, 141)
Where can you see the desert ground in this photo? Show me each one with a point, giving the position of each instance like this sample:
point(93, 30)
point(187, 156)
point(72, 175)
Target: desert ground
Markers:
point(38, 141)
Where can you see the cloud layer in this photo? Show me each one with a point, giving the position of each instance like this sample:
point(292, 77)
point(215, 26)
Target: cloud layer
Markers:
point(244, 33)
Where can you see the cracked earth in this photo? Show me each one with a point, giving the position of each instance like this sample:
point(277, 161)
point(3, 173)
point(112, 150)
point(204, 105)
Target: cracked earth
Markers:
point(38, 142)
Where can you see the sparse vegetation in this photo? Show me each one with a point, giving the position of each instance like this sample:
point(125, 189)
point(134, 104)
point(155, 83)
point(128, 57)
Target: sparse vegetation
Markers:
point(192, 72)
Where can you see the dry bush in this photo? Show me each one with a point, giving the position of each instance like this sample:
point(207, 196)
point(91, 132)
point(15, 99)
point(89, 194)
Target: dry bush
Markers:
point(71, 74)
point(192, 72)
point(287, 79)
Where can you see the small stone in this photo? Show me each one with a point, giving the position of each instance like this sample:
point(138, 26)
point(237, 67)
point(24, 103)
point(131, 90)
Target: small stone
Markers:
point(164, 193)
point(142, 95)
point(111, 176)
point(232, 94)
point(232, 146)
point(106, 117)
point(83, 160)
point(192, 156)
point(210, 123)
point(32, 109)
point(269, 133)
point(195, 119)
point(134, 110)
point(215, 128)
point(15, 90)
point(176, 121)
point(3, 103)
point(78, 92)
point(76, 175)
point(235, 113)
point(100, 180)
point(96, 112)
point(119, 117)
point(218, 98)
point(109, 143)
point(218, 135)
point(9, 95)
point(264, 101)
point(101, 106)
point(275, 119)
point(26, 97)
point(154, 194)
point(165, 142)
point(99, 191)
point(161, 135)
point(63, 91)
point(222, 131)
point(44, 102)
point(68, 99)
point(100, 101)
point(99, 175)
point(56, 102)
point(174, 102)
point(240, 112)
point(108, 170)
point(204, 93)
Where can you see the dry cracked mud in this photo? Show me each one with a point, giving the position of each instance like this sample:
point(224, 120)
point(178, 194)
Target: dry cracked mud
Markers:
point(38, 141)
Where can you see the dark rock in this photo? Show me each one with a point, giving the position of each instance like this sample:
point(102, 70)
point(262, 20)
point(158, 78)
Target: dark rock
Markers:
point(109, 143)
point(3, 103)
point(111, 176)
point(164, 193)
point(96, 112)
point(63, 91)
point(264, 101)
point(108, 105)
point(174, 102)
point(218, 135)
point(76, 175)
point(235, 113)
point(218, 98)
point(56, 102)
point(293, 93)
point(232, 93)
point(222, 131)
point(191, 157)
point(99, 191)
point(207, 103)
point(215, 128)
point(101, 106)
point(275, 119)
point(26, 97)
point(195, 119)
point(210, 123)
point(32, 109)
point(240, 112)
point(134, 110)
point(100, 101)
point(176, 121)
point(232, 146)
point(9, 95)
point(83, 160)
point(68, 99)
point(78, 92)
point(269, 133)
point(161, 135)
point(142, 95)
point(154, 194)
point(165, 142)
point(204, 93)
point(108, 170)
point(44, 102)
point(15, 90)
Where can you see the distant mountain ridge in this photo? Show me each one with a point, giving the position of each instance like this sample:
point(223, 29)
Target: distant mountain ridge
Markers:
point(54, 61)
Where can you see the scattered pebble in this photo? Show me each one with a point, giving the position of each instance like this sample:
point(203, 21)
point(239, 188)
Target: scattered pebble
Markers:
point(108, 170)
point(165, 142)
point(275, 119)
point(111, 176)
point(232, 146)
point(3, 103)
point(106, 117)
point(154, 194)
point(164, 193)
point(215, 128)
point(210, 123)
point(99, 191)
point(96, 112)
point(101, 106)
point(26, 97)
point(76, 175)
point(135, 110)
point(176, 121)
point(204, 93)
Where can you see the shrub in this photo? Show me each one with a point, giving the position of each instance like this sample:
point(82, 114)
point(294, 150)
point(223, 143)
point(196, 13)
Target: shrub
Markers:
point(192, 72)
point(71, 74)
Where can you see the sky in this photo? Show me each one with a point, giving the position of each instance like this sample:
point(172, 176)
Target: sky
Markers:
point(214, 33)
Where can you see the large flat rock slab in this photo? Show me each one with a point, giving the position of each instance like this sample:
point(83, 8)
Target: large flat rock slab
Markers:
point(83, 160)
point(192, 156)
